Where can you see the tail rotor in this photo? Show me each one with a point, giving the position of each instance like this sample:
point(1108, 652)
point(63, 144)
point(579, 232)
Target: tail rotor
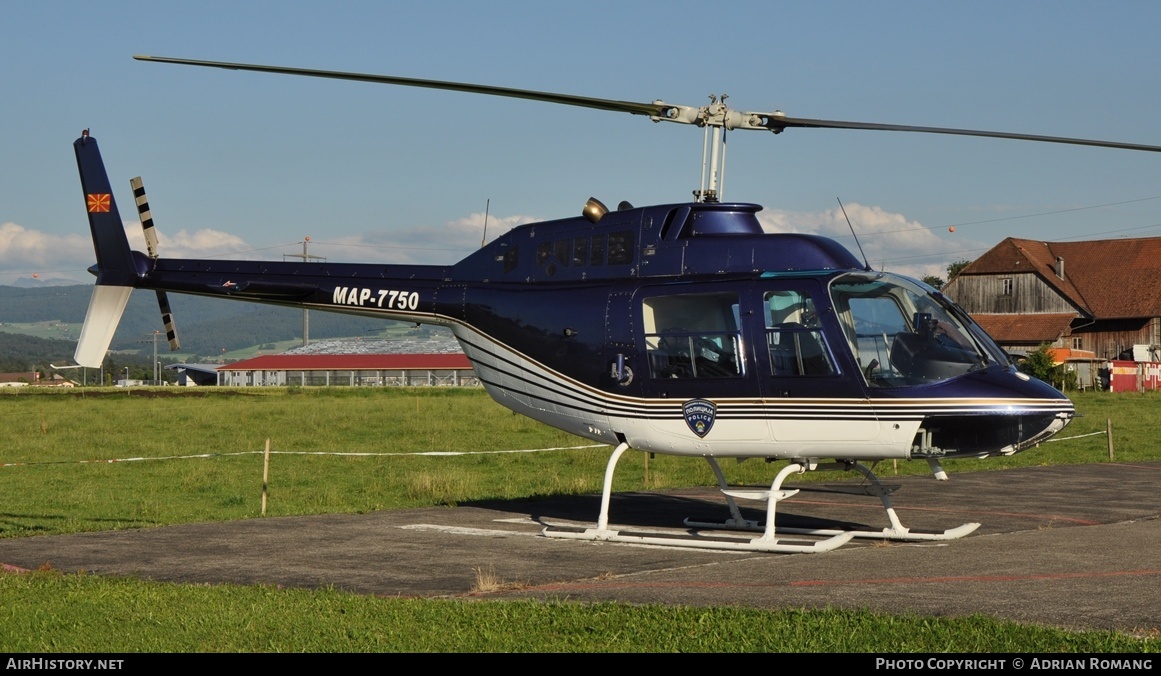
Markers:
point(151, 248)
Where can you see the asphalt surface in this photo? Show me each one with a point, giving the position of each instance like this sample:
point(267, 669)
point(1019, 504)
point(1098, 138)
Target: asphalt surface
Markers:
point(1078, 547)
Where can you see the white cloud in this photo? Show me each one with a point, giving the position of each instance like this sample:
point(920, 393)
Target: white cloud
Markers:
point(891, 241)
point(27, 254)
point(204, 243)
point(24, 253)
point(19, 245)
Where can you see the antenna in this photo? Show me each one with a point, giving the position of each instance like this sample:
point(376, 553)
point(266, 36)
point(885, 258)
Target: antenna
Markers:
point(853, 234)
point(487, 207)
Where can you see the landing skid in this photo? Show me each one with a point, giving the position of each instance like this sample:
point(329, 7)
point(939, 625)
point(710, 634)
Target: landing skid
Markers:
point(698, 541)
point(768, 542)
point(895, 531)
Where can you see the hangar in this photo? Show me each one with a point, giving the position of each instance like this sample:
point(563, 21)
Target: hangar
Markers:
point(349, 370)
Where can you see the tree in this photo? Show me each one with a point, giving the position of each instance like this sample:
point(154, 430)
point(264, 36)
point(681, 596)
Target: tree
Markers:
point(934, 282)
point(1040, 364)
point(955, 268)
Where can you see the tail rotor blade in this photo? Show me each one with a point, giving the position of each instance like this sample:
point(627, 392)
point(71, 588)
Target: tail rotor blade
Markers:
point(145, 214)
point(167, 320)
point(151, 246)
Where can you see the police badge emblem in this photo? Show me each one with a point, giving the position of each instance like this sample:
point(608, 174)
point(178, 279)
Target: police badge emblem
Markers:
point(699, 415)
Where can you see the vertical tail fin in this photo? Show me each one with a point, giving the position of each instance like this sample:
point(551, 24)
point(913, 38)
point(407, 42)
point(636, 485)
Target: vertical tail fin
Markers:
point(115, 263)
point(116, 267)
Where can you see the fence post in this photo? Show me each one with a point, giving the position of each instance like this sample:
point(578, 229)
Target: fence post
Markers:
point(1109, 434)
point(265, 474)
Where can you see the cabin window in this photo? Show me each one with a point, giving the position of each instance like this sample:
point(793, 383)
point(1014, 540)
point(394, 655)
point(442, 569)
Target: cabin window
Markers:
point(563, 251)
point(794, 336)
point(693, 336)
point(511, 259)
point(1007, 283)
point(543, 251)
point(620, 248)
point(1078, 343)
point(669, 218)
point(597, 252)
point(580, 252)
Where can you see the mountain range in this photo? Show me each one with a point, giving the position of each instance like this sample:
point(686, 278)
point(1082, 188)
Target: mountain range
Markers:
point(207, 326)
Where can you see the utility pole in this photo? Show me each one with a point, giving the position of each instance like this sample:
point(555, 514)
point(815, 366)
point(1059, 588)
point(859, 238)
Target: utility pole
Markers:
point(306, 258)
point(156, 364)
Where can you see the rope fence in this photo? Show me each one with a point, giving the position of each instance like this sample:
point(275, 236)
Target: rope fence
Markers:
point(267, 452)
point(354, 454)
point(1108, 432)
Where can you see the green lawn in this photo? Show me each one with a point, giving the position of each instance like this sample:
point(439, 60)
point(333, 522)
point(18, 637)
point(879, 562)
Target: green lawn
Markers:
point(195, 455)
point(49, 612)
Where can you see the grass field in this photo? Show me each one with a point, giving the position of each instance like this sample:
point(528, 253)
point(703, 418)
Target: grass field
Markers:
point(47, 329)
point(195, 455)
point(45, 612)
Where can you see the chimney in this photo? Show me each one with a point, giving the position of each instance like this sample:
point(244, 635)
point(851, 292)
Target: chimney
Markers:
point(1060, 267)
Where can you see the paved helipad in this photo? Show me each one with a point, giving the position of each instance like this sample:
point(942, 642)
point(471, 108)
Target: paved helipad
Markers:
point(1075, 546)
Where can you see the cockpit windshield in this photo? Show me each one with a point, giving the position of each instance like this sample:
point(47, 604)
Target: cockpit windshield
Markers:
point(902, 333)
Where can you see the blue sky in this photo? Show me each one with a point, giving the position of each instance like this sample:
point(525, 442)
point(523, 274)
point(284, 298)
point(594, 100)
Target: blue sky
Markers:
point(248, 164)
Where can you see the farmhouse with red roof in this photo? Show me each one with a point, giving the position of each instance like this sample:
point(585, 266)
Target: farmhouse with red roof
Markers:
point(1100, 296)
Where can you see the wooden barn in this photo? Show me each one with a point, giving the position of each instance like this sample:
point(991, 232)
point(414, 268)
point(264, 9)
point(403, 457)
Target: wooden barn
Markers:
point(1102, 297)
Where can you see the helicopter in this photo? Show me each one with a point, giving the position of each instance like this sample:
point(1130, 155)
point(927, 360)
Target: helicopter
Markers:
point(680, 329)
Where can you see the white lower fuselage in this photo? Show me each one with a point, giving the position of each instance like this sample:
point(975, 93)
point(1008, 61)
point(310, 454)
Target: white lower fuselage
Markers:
point(855, 428)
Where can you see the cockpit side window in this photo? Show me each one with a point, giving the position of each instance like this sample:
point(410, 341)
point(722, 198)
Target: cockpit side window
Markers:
point(876, 321)
point(693, 335)
point(794, 336)
point(900, 333)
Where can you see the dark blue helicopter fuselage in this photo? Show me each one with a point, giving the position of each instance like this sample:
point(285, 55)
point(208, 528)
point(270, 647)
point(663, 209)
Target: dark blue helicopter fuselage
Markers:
point(679, 329)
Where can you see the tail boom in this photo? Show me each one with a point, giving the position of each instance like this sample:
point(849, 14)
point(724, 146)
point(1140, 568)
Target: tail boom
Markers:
point(399, 292)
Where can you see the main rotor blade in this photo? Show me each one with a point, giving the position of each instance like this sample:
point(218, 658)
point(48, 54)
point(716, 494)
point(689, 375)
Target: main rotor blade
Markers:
point(657, 110)
point(651, 109)
point(777, 123)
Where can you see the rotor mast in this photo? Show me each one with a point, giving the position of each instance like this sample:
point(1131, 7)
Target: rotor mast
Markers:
point(716, 120)
point(713, 172)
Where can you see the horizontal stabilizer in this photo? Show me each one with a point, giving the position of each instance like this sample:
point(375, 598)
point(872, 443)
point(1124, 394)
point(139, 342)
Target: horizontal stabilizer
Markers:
point(105, 308)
